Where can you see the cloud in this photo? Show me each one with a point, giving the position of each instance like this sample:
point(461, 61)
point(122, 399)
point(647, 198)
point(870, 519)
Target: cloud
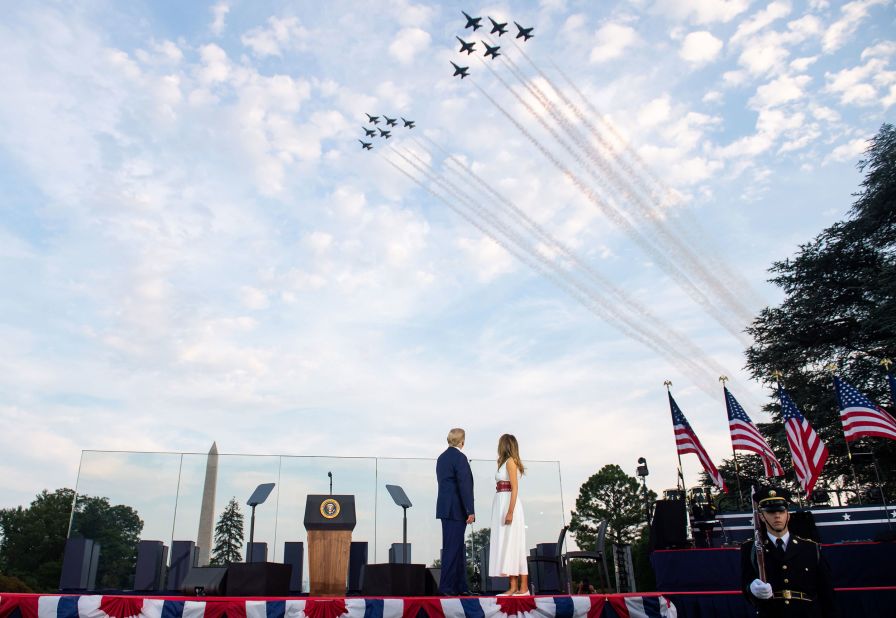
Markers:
point(852, 15)
point(219, 17)
point(700, 47)
point(782, 90)
point(611, 41)
point(408, 44)
point(848, 152)
point(702, 11)
point(760, 21)
point(281, 33)
point(859, 85)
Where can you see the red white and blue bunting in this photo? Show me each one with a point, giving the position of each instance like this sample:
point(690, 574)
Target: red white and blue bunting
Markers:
point(112, 606)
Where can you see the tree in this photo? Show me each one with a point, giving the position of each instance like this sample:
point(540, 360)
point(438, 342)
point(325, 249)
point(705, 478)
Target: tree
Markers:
point(839, 308)
point(474, 544)
point(613, 495)
point(229, 535)
point(32, 539)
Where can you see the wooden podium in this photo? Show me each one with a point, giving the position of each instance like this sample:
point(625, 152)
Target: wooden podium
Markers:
point(329, 521)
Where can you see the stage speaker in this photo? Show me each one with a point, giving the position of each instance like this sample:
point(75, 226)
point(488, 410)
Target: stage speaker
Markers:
point(669, 528)
point(294, 556)
point(258, 579)
point(205, 582)
point(357, 558)
point(184, 556)
point(399, 553)
point(400, 580)
point(256, 552)
point(802, 523)
point(79, 564)
point(152, 558)
point(433, 575)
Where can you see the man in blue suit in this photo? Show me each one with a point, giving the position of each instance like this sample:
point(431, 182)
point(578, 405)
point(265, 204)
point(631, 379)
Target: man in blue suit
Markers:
point(454, 507)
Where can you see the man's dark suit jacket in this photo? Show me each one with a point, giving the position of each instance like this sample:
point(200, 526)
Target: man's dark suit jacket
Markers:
point(455, 500)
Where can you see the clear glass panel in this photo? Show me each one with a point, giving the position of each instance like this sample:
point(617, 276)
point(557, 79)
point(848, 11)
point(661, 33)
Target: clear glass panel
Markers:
point(122, 498)
point(165, 491)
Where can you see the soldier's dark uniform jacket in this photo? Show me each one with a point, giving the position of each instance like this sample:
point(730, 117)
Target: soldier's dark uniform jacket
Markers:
point(800, 579)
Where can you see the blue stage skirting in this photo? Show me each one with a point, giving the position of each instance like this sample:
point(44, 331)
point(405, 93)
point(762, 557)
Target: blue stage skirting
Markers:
point(853, 565)
point(853, 604)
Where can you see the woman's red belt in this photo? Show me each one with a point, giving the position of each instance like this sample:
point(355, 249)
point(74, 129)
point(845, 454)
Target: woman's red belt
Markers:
point(503, 486)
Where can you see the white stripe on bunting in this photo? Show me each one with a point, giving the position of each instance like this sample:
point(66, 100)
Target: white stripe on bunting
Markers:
point(152, 608)
point(294, 609)
point(47, 607)
point(355, 608)
point(194, 609)
point(452, 608)
point(393, 608)
point(256, 609)
point(581, 606)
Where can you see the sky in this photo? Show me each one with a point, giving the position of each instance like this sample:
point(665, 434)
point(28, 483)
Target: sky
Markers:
point(194, 247)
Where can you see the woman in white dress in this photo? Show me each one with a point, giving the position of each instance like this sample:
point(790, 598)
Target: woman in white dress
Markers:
point(507, 549)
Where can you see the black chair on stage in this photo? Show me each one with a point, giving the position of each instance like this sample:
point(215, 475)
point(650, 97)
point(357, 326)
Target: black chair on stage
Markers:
point(597, 554)
point(562, 559)
point(557, 561)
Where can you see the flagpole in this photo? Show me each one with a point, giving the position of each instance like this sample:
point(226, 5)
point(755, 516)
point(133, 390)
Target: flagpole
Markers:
point(886, 362)
point(684, 489)
point(740, 501)
point(831, 367)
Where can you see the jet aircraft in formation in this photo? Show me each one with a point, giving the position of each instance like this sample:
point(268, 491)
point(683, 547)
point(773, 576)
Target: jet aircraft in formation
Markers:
point(465, 47)
point(384, 133)
point(499, 28)
point(462, 71)
point(526, 33)
point(472, 22)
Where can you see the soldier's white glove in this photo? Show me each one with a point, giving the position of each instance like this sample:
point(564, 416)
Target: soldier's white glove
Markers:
point(760, 589)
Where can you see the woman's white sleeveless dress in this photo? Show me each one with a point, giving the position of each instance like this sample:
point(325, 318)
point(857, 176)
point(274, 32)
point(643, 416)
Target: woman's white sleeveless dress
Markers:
point(507, 547)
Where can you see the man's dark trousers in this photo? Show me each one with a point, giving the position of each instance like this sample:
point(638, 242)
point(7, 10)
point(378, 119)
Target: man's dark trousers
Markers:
point(453, 580)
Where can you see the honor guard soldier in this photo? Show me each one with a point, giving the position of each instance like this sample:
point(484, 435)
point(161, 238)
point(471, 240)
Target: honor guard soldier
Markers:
point(798, 580)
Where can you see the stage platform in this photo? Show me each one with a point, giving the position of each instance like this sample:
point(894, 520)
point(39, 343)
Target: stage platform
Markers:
point(645, 605)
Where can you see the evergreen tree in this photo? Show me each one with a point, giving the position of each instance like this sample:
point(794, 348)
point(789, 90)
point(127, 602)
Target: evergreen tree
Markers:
point(228, 535)
point(839, 308)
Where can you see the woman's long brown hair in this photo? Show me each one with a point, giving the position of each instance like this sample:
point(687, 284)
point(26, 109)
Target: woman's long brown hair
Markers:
point(508, 448)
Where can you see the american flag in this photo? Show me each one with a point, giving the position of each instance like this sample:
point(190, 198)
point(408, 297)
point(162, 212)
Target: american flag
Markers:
point(687, 442)
point(860, 417)
point(745, 436)
point(807, 450)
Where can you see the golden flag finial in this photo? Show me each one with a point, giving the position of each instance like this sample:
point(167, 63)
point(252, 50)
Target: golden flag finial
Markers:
point(831, 367)
point(723, 379)
point(667, 384)
point(886, 362)
point(777, 374)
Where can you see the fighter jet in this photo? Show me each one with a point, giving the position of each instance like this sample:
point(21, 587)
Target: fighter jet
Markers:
point(472, 22)
point(366, 145)
point(462, 71)
point(496, 27)
point(390, 121)
point(464, 46)
point(373, 119)
point(491, 51)
point(385, 134)
point(369, 132)
point(408, 123)
point(526, 33)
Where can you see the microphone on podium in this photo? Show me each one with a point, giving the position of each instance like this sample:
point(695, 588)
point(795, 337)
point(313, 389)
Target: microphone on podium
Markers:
point(330, 474)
